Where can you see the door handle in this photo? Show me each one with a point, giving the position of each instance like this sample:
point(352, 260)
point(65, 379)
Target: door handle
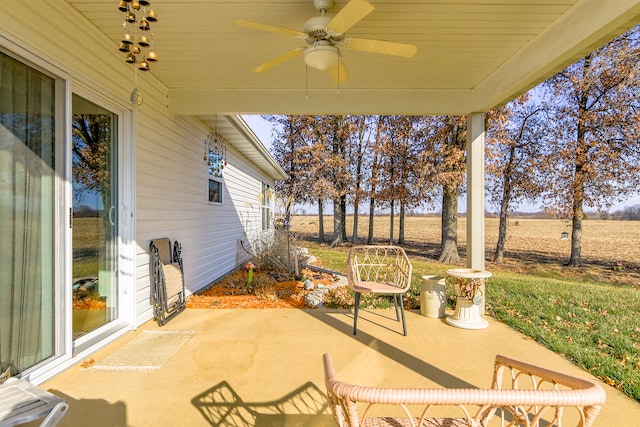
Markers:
point(111, 211)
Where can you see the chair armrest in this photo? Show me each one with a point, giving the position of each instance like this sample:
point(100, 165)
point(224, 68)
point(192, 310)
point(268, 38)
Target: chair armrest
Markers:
point(478, 405)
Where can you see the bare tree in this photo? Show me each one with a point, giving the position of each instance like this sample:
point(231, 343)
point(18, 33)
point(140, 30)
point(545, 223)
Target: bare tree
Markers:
point(330, 135)
point(359, 155)
point(514, 158)
point(375, 171)
point(448, 151)
point(596, 152)
point(291, 150)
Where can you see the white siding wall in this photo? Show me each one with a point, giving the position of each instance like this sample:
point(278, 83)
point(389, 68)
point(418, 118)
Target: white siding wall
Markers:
point(170, 178)
point(172, 202)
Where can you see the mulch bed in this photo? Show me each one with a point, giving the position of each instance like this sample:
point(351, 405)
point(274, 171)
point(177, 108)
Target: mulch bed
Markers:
point(283, 294)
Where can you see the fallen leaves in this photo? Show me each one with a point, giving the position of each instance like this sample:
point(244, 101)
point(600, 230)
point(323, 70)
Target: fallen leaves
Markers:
point(89, 304)
point(86, 364)
point(283, 294)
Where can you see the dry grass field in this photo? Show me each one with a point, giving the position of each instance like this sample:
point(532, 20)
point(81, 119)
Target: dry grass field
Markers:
point(532, 244)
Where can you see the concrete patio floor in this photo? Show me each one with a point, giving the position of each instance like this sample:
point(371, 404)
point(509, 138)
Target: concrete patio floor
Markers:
point(240, 363)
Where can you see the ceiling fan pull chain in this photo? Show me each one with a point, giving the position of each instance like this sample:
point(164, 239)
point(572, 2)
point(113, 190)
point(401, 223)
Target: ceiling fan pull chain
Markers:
point(306, 81)
point(338, 72)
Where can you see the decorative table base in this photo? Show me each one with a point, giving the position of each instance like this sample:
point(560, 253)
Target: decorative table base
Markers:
point(466, 316)
point(468, 283)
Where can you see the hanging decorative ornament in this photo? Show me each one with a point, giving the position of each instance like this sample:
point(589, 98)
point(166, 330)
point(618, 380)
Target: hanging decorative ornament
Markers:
point(140, 53)
point(136, 96)
point(215, 154)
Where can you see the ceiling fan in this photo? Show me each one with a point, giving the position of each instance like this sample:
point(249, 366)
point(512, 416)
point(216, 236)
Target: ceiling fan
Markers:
point(325, 36)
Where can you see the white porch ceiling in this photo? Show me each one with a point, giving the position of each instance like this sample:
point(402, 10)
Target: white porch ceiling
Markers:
point(472, 54)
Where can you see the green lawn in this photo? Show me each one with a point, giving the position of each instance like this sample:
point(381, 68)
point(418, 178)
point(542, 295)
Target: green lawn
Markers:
point(595, 325)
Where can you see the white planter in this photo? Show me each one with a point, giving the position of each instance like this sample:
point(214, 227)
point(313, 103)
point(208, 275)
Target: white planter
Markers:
point(433, 298)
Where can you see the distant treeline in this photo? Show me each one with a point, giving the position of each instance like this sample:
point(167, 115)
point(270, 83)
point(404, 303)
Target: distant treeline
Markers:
point(86, 212)
point(630, 213)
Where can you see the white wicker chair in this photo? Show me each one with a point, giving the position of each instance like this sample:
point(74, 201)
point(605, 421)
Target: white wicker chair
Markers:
point(521, 395)
point(379, 270)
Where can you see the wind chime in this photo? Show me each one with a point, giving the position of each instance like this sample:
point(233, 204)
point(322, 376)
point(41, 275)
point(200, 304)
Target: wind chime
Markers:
point(215, 154)
point(138, 49)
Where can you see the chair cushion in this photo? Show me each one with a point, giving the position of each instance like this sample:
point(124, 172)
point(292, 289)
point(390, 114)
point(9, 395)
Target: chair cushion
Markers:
point(164, 249)
point(377, 287)
point(173, 278)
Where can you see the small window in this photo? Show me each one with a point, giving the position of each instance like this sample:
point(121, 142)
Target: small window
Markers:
point(215, 190)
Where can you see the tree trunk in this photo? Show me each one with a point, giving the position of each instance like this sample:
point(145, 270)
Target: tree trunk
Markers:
point(320, 220)
point(502, 232)
point(576, 238)
point(401, 225)
point(449, 239)
point(391, 218)
point(575, 260)
point(356, 196)
point(354, 233)
point(504, 208)
point(374, 174)
point(372, 204)
point(343, 211)
point(337, 223)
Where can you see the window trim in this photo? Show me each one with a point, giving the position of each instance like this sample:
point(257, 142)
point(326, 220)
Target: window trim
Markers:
point(266, 207)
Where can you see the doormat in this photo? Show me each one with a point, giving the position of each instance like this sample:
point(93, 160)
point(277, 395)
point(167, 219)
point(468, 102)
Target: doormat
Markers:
point(146, 352)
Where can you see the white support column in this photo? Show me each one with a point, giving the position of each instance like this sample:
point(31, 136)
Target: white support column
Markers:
point(475, 191)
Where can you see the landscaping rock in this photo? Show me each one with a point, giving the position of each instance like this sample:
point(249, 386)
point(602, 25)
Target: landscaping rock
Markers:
point(308, 284)
point(314, 299)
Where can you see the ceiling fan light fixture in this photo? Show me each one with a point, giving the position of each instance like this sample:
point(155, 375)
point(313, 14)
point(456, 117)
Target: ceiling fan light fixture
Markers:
point(321, 56)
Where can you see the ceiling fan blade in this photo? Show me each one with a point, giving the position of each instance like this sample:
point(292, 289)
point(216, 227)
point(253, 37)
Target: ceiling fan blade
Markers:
point(384, 47)
point(349, 16)
point(269, 28)
point(279, 60)
point(339, 73)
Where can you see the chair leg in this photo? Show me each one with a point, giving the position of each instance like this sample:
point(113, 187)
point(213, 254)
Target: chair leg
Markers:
point(55, 415)
point(355, 311)
point(404, 325)
point(395, 301)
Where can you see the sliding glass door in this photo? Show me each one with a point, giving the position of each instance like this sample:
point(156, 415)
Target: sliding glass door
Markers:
point(45, 285)
point(95, 213)
point(27, 216)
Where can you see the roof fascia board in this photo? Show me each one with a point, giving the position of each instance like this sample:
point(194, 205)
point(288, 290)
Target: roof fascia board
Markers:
point(204, 101)
point(245, 130)
point(586, 26)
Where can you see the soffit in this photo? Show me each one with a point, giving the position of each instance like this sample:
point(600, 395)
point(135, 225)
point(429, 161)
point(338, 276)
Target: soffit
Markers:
point(472, 54)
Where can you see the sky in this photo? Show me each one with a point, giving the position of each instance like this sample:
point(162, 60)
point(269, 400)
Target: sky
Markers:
point(262, 129)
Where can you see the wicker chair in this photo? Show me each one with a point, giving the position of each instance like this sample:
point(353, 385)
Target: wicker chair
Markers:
point(167, 279)
point(379, 270)
point(521, 395)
